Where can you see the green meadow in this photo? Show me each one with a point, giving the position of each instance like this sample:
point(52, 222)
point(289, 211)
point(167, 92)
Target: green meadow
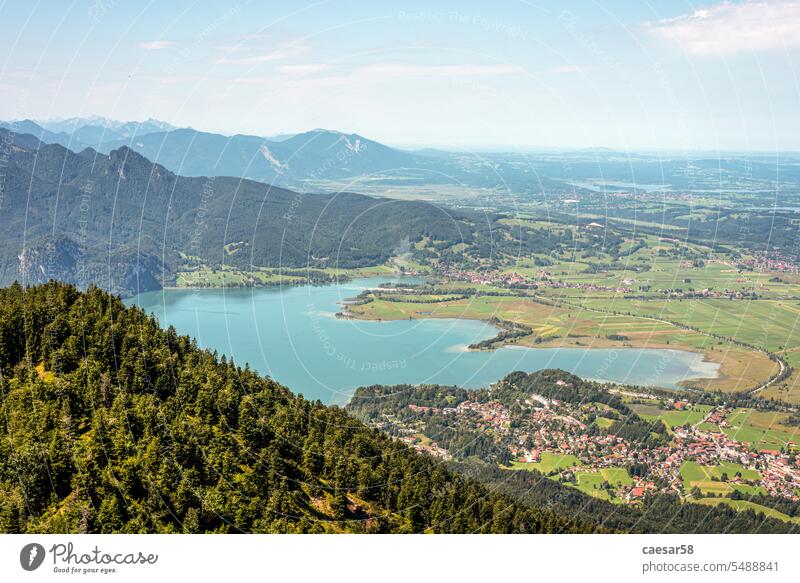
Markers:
point(672, 418)
point(709, 478)
point(741, 505)
point(548, 462)
point(591, 482)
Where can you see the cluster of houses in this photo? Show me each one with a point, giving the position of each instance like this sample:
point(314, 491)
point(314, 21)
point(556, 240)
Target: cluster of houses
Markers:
point(711, 293)
point(551, 426)
point(492, 414)
point(495, 278)
point(779, 476)
point(432, 449)
point(556, 284)
point(770, 262)
point(718, 416)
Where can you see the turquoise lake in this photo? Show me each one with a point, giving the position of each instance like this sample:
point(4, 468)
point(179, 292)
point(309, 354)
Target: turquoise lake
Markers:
point(292, 335)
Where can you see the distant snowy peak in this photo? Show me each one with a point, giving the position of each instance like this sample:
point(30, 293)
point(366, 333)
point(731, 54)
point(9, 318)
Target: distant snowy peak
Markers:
point(95, 129)
point(128, 127)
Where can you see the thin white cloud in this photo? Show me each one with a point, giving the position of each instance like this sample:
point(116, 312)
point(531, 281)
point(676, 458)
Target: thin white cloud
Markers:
point(564, 69)
point(180, 79)
point(415, 70)
point(279, 54)
point(156, 45)
point(728, 28)
point(312, 76)
point(301, 70)
point(20, 74)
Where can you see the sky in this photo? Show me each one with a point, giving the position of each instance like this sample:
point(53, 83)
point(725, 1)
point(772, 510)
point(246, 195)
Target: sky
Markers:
point(517, 75)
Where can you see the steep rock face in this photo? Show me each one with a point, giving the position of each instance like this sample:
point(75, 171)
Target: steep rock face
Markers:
point(49, 258)
point(61, 258)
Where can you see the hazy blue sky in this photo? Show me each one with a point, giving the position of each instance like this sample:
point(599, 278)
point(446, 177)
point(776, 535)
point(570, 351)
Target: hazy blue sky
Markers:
point(515, 74)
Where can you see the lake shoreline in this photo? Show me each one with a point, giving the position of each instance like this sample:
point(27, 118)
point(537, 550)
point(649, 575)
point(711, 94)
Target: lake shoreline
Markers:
point(281, 333)
point(735, 372)
point(596, 342)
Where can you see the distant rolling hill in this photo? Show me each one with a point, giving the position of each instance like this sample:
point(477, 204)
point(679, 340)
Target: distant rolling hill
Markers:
point(27, 126)
point(314, 155)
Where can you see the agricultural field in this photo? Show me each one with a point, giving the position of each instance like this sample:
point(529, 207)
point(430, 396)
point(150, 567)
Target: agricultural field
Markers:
point(648, 273)
point(768, 324)
point(693, 415)
point(591, 483)
point(789, 388)
point(761, 429)
point(710, 479)
point(603, 422)
point(548, 462)
point(233, 278)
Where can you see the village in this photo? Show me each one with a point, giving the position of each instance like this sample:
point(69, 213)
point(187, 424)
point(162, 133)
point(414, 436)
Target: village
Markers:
point(494, 278)
point(548, 427)
point(627, 286)
point(770, 261)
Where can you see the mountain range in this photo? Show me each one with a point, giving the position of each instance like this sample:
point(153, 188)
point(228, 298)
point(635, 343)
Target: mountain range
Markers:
point(96, 130)
point(79, 133)
point(323, 159)
point(318, 154)
point(129, 213)
point(286, 160)
point(127, 224)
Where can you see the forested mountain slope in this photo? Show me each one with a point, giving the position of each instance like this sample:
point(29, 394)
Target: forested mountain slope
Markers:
point(110, 424)
point(126, 224)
